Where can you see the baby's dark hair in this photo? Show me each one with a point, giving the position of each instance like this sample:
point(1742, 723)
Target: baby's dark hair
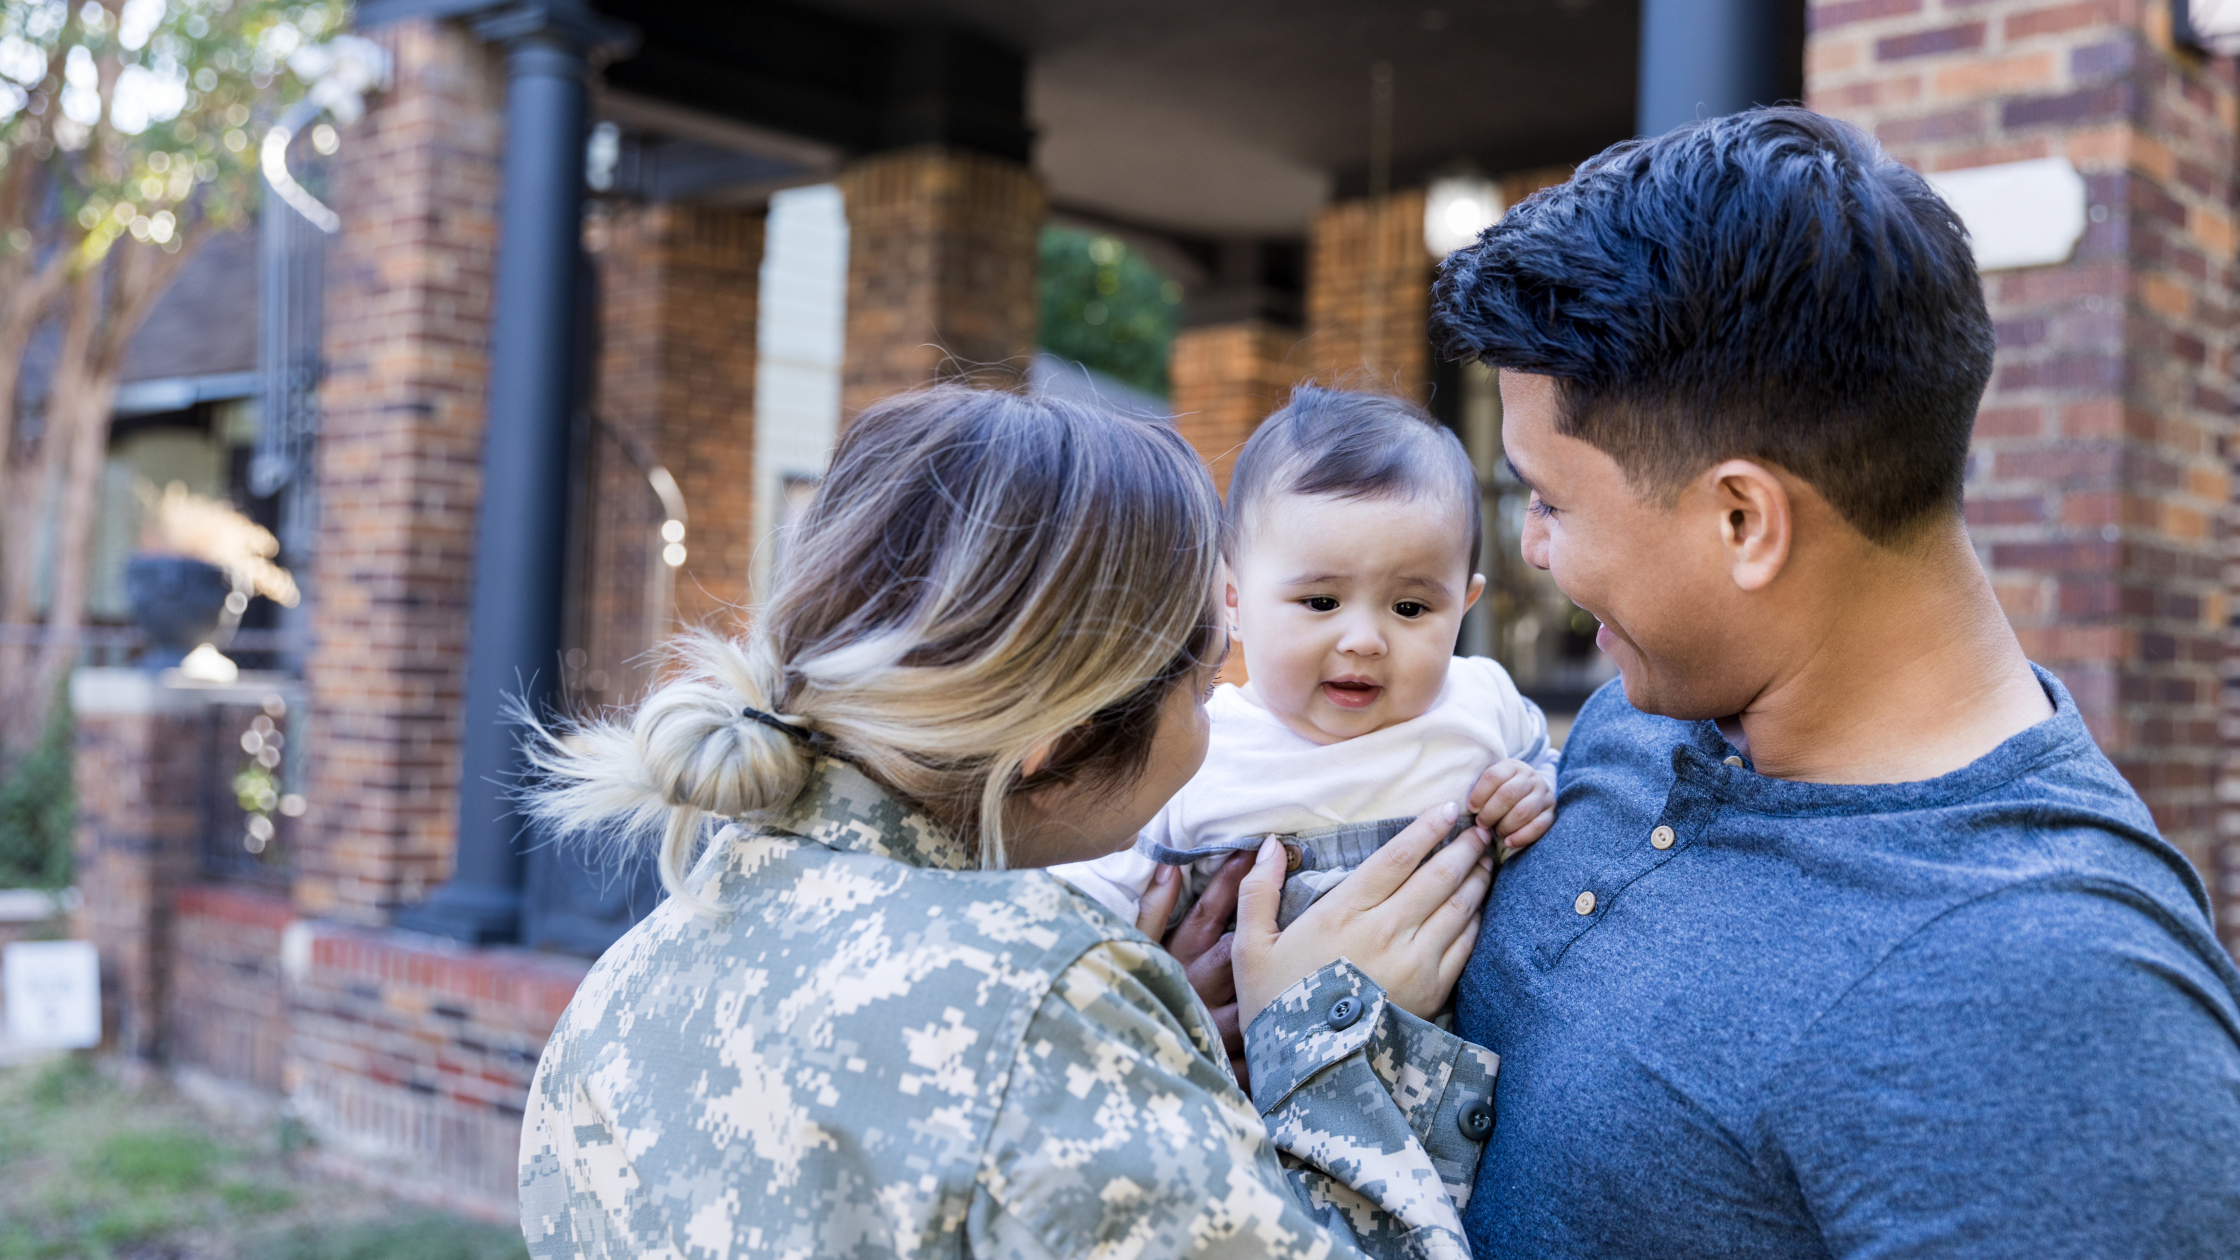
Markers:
point(1349, 445)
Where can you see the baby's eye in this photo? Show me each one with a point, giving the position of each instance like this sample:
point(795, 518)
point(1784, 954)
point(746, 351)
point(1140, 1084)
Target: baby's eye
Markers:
point(1538, 506)
point(1321, 603)
point(1410, 609)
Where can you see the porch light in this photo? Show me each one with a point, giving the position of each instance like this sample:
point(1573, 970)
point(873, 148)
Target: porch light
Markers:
point(1457, 208)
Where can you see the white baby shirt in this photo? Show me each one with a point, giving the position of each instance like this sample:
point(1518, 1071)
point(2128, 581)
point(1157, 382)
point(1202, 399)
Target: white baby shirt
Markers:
point(1262, 778)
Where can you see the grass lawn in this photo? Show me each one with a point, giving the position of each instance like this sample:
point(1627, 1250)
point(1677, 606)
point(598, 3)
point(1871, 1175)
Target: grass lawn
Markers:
point(91, 1169)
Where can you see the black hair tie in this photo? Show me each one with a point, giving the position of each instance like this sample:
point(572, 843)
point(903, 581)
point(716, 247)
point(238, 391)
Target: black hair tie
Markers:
point(802, 735)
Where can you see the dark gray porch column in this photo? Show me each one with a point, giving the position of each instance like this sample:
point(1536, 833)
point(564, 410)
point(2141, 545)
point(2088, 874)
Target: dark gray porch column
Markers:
point(521, 533)
point(1703, 58)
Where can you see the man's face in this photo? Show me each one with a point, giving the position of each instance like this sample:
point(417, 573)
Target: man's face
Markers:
point(1348, 608)
point(1656, 577)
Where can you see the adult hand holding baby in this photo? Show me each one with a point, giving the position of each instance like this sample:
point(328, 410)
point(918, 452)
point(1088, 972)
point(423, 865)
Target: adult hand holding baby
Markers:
point(1407, 923)
point(1202, 943)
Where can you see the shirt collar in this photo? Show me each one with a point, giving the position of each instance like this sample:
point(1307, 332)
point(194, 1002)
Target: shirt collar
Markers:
point(841, 808)
point(1703, 759)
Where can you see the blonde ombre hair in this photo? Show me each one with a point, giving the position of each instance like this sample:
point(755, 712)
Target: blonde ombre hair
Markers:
point(980, 574)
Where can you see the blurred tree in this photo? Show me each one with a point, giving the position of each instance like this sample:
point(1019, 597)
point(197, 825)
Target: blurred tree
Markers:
point(1104, 307)
point(126, 140)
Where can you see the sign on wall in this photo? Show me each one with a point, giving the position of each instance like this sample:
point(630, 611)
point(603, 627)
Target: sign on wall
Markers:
point(2018, 214)
point(52, 991)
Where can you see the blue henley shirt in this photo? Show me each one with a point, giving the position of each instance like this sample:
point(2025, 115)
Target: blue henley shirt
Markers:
point(1977, 1015)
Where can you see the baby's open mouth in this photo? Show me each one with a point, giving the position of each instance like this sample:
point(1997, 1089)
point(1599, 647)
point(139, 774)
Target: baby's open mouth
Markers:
point(1351, 693)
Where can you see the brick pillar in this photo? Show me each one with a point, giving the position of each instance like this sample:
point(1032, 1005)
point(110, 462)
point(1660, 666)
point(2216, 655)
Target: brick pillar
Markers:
point(1369, 295)
point(677, 289)
point(139, 767)
point(1227, 378)
point(2098, 489)
point(941, 271)
point(407, 326)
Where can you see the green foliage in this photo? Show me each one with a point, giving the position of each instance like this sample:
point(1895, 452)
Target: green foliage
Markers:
point(38, 811)
point(1105, 307)
point(148, 111)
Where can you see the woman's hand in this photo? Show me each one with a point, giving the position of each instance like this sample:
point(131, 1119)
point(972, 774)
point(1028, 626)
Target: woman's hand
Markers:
point(1202, 943)
point(1405, 922)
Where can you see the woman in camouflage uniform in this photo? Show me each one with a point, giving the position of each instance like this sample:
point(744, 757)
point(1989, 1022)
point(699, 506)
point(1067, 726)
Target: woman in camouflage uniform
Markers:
point(860, 1027)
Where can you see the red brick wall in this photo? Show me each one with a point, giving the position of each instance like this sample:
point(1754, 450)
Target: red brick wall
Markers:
point(407, 323)
point(228, 1009)
point(941, 272)
point(138, 771)
point(678, 304)
point(1369, 296)
point(1227, 378)
point(2099, 486)
point(411, 1060)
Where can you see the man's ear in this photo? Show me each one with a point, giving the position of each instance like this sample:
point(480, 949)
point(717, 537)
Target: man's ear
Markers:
point(1756, 526)
point(1477, 588)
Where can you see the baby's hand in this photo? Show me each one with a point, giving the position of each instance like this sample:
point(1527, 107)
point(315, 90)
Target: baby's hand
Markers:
point(1513, 803)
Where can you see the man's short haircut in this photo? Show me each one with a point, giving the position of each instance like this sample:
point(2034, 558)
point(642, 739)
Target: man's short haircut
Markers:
point(1345, 444)
point(1769, 285)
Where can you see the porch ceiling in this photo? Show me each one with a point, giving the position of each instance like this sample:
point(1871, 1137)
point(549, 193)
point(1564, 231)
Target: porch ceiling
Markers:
point(1243, 116)
point(1205, 117)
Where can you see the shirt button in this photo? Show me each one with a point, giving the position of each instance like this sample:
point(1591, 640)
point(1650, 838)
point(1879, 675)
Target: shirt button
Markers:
point(1661, 838)
point(1343, 1012)
point(1734, 761)
point(1585, 903)
point(1476, 1122)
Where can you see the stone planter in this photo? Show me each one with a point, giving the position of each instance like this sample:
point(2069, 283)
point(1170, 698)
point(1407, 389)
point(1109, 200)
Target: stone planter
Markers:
point(177, 602)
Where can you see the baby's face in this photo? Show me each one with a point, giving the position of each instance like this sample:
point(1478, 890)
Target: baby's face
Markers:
point(1347, 610)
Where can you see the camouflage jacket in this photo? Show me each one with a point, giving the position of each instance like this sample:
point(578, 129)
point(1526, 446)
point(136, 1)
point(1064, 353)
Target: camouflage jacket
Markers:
point(875, 1051)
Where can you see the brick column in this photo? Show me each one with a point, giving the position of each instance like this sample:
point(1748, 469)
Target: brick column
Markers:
point(1227, 378)
point(139, 766)
point(407, 326)
point(941, 271)
point(1369, 295)
point(2099, 488)
point(678, 298)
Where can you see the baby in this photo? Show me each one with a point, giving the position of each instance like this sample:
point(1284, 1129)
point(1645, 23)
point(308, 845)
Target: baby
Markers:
point(1350, 533)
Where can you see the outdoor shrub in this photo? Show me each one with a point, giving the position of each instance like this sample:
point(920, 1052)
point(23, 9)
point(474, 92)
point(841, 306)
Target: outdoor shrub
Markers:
point(1104, 307)
point(38, 809)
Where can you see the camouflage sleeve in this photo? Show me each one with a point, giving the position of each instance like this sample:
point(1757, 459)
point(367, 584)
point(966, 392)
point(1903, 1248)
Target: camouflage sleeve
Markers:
point(1370, 1097)
point(1121, 1131)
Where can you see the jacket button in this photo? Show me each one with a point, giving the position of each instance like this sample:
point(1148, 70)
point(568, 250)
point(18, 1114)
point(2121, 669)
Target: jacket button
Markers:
point(1476, 1122)
point(1344, 1011)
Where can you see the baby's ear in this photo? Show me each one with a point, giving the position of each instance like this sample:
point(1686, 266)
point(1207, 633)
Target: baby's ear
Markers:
point(1477, 588)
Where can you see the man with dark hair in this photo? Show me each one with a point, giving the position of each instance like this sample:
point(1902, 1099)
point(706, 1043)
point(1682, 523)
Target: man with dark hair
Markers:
point(1847, 939)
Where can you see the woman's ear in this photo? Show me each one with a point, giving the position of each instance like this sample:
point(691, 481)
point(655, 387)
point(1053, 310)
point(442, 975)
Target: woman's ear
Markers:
point(1229, 601)
point(1756, 525)
point(1037, 757)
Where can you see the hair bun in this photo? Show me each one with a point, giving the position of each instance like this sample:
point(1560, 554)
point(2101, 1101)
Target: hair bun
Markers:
point(699, 745)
